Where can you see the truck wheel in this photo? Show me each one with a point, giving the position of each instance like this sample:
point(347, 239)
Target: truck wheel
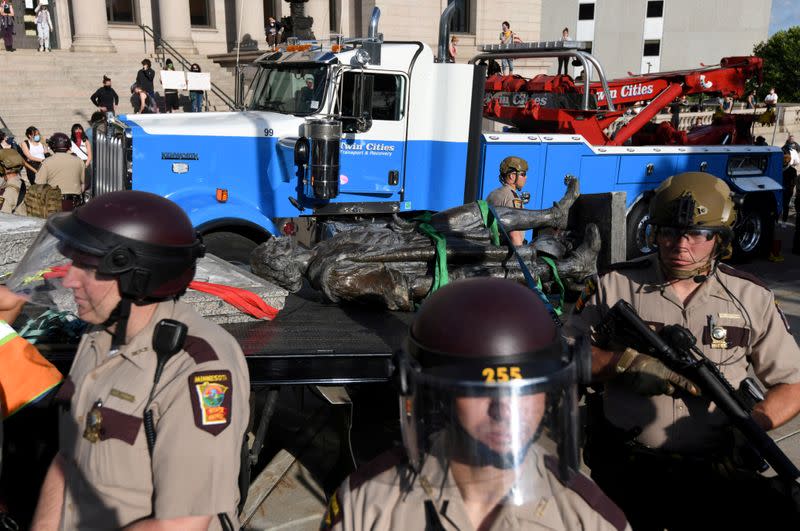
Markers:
point(753, 231)
point(231, 247)
point(637, 230)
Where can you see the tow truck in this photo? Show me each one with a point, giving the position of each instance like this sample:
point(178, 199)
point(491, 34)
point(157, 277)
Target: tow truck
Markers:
point(358, 129)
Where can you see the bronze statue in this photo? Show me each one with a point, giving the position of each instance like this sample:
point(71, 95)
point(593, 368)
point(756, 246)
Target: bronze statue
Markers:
point(394, 264)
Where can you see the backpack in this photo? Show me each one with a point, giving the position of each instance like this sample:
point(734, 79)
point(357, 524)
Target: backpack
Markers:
point(42, 200)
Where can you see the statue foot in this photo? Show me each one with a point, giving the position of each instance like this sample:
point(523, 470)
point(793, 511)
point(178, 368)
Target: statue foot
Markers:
point(280, 261)
point(561, 208)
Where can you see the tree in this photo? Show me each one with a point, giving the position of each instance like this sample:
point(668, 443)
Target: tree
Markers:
point(781, 55)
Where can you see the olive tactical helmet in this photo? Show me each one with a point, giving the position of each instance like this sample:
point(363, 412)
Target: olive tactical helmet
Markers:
point(10, 161)
point(510, 164)
point(693, 200)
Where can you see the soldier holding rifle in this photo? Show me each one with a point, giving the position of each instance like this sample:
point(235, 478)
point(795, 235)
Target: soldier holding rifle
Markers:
point(659, 448)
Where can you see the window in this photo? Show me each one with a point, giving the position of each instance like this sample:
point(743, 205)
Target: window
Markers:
point(742, 165)
point(655, 8)
point(652, 48)
point(387, 95)
point(460, 23)
point(585, 11)
point(120, 11)
point(200, 13)
point(292, 89)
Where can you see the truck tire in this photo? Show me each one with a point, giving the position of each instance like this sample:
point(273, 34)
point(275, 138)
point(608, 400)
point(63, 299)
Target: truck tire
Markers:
point(231, 247)
point(637, 230)
point(753, 231)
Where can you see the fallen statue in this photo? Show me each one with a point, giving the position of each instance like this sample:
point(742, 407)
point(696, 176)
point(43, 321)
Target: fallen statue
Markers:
point(398, 263)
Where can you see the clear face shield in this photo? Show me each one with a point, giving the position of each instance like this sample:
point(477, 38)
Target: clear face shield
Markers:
point(38, 277)
point(512, 436)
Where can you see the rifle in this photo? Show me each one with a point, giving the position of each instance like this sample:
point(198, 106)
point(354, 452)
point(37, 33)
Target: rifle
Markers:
point(676, 348)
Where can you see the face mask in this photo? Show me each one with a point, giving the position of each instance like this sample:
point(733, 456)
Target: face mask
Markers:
point(78, 134)
point(36, 138)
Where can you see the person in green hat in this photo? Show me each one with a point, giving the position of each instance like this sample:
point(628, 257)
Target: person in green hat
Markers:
point(513, 176)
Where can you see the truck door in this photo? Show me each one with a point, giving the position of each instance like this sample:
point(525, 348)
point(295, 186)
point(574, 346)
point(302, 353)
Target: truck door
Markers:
point(372, 163)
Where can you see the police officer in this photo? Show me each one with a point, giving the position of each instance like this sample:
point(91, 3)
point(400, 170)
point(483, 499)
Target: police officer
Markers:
point(488, 408)
point(156, 403)
point(513, 176)
point(64, 170)
point(666, 455)
point(11, 164)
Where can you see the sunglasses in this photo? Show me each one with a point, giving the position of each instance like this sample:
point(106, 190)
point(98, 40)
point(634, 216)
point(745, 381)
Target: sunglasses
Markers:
point(519, 173)
point(692, 235)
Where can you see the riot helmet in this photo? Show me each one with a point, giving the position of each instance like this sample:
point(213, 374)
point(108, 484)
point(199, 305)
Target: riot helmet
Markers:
point(60, 143)
point(144, 241)
point(487, 381)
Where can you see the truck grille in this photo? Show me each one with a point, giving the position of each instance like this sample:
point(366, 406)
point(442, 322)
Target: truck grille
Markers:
point(111, 164)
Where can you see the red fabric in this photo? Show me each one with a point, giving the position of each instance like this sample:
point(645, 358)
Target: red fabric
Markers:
point(243, 300)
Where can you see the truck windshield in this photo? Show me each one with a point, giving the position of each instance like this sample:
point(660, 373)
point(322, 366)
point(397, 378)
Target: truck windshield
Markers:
point(289, 89)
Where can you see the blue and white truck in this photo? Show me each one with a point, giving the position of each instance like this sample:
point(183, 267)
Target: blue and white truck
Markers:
point(362, 128)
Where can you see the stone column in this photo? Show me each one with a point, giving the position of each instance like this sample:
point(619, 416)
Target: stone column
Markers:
point(176, 26)
point(251, 15)
point(319, 11)
point(91, 27)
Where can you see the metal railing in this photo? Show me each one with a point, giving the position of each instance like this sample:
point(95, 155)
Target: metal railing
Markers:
point(161, 48)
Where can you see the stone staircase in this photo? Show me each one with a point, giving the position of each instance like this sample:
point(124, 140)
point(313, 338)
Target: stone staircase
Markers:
point(51, 90)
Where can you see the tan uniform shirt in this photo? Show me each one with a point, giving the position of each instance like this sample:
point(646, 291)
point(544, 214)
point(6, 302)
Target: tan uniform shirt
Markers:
point(756, 330)
point(372, 498)
point(505, 196)
point(200, 414)
point(63, 170)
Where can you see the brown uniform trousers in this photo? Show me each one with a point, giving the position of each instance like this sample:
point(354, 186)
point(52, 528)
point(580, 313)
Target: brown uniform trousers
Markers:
point(658, 457)
point(379, 497)
point(10, 195)
point(200, 410)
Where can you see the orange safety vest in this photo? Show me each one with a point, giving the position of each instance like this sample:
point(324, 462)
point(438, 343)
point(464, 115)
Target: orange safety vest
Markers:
point(25, 375)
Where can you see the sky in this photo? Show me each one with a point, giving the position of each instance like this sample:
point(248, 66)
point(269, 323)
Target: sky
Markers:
point(785, 14)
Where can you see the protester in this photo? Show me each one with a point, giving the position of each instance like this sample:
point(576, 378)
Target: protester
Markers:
point(34, 151)
point(273, 31)
point(452, 50)
point(508, 38)
point(771, 99)
point(145, 76)
point(105, 98)
point(81, 147)
point(44, 25)
point(143, 101)
point(170, 95)
point(564, 61)
point(7, 24)
point(196, 96)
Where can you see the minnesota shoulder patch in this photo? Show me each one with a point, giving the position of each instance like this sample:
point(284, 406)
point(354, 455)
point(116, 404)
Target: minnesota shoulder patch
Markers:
point(210, 393)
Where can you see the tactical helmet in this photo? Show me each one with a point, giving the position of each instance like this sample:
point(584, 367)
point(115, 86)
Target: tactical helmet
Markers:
point(510, 164)
point(59, 142)
point(10, 161)
point(693, 200)
point(485, 341)
point(144, 240)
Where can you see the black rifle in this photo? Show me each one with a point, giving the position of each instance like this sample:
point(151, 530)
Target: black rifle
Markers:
point(675, 347)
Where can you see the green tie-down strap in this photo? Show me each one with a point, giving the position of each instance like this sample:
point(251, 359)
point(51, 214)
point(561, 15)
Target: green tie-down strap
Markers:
point(559, 309)
point(440, 275)
point(489, 221)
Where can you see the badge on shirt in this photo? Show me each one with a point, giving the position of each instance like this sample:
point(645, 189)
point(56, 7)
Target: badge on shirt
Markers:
point(210, 394)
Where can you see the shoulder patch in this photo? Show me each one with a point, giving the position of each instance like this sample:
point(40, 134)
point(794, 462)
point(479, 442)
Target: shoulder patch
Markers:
point(380, 464)
point(199, 349)
point(211, 393)
point(592, 495)
point(732, 271)
point(589, 289)
point(333, 513)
